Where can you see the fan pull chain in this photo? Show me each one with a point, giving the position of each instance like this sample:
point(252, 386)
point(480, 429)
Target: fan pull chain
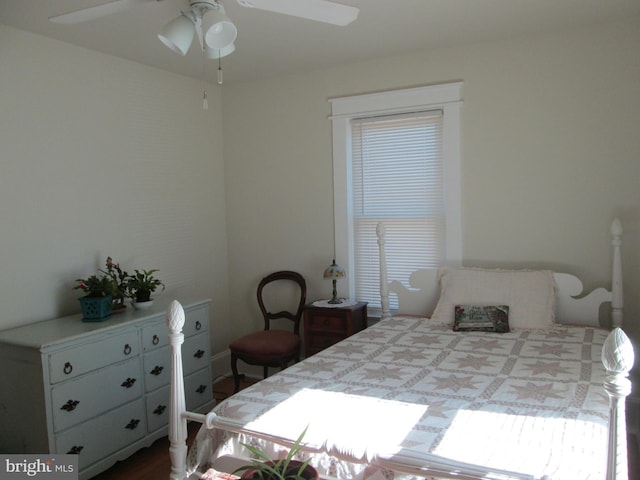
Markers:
point(205, 103)
point(220, 79)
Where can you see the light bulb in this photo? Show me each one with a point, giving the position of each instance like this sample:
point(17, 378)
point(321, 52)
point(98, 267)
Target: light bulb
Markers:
point(220, 79)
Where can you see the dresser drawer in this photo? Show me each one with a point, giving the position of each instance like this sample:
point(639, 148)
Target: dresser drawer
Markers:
point(326, 323)
point(157, 368)
point(198, 389)
point(158, 408)
point(155, 335)
point(73, 362)
point(196, 321)
point(195, 353)
point(77, 400)
point(104, 435)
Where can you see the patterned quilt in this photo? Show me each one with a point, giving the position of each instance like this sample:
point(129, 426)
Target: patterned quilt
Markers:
point(524, 401)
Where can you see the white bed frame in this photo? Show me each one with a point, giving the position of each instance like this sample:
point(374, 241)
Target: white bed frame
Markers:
point(617, 358)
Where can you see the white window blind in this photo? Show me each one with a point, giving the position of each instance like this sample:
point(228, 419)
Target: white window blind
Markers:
point(397, 178)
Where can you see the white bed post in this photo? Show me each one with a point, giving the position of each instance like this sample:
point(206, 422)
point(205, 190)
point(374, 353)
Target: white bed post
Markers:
point(617, 358)
point(177, 422)
point(617, 299)
point(384, 284)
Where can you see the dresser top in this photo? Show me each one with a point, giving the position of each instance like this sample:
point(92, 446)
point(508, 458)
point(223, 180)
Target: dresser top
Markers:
point(48, 333)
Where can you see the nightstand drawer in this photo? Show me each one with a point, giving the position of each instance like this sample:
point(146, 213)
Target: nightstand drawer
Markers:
point(70, 363)
point(326, 323)
point(320, 341)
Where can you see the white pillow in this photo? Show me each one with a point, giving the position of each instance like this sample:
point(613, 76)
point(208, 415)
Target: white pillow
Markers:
point(529, 294)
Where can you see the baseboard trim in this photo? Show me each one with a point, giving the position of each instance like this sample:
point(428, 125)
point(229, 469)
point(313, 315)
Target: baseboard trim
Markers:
point(221, 367)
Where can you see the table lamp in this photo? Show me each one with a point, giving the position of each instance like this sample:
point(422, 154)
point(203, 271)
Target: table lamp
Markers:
point(334, 272)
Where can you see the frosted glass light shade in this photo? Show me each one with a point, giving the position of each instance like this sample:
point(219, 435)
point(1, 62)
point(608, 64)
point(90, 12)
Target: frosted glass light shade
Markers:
point(215, 53)
point(218, 31)
point(178, 34)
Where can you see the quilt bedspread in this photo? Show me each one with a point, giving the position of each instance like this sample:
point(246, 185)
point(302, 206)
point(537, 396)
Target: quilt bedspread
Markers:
point(524, 401)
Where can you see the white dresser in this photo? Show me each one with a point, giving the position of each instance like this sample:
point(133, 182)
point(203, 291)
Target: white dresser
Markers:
point(98, 389)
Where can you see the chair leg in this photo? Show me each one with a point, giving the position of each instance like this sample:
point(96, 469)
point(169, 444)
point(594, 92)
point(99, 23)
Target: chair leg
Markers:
point(265, 371)
point(236, 376)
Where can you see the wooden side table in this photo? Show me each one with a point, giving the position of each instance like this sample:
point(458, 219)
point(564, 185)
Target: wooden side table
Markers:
point(324, 326)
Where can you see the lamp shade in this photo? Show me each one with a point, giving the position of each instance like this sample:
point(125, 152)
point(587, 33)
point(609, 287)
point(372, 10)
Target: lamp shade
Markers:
point(334, 271)
point(218, 31)
point(215, 53)
point(178, 34)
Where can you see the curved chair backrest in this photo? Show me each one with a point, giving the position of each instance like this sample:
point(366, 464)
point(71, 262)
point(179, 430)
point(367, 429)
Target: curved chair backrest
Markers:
point(293, 316)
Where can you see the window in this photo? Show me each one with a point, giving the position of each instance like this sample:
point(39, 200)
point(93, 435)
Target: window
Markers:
point(397, 160)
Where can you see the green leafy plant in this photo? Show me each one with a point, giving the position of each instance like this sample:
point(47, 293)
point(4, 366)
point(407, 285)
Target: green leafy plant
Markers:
point(119, 278)
point(142, 283)
point(95, 286)
point(264, 468)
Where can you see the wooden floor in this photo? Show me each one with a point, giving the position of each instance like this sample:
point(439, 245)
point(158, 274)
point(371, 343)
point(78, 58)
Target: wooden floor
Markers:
point(152, 463)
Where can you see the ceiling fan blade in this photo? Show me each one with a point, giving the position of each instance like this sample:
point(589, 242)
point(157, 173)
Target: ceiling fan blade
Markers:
point(318, 10)
point(92, 13)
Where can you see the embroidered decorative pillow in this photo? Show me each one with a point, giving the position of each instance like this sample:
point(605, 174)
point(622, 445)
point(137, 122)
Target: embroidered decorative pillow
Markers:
point(530, 294)
point(487, 318)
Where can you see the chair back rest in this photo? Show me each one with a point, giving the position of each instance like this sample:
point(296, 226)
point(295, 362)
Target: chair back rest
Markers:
point(294, 316)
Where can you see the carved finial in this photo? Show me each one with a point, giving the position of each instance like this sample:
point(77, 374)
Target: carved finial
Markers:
point(616, 227)
point(175, 317)
point(617, 352)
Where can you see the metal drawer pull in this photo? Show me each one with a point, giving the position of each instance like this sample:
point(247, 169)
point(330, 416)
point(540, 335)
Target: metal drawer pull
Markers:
point(70, 405)
point(133, 424)
point(157, 370)
point(128, 383)
point(127, 349)
point(75, 450)
point(160, 409)
point(199, 353)
point(68, 368)
point(198, 325)
point(155, 340)
point(201, 389)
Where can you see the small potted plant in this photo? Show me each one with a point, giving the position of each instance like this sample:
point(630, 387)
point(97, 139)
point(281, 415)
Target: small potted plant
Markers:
point(119, 278)
point(264, 468)
point(96, 304)
point(141, 285)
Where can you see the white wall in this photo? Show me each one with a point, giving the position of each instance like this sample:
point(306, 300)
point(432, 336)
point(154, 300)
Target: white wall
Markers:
point(101, 156)
point(551, 153)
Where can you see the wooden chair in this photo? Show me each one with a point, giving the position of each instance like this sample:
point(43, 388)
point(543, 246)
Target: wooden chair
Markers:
point(271, 348)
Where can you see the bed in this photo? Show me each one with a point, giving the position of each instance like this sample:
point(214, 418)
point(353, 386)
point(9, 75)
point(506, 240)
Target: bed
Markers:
point(467, 393)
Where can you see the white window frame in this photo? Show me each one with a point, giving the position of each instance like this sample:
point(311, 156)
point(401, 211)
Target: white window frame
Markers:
point(448, 98)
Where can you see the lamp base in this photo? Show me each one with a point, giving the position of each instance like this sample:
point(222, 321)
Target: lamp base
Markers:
point(334, 300)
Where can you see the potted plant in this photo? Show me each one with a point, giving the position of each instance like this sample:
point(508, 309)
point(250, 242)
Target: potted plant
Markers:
point(119, 278)
point(264, 468)
point(96, 304)
point(141, 285)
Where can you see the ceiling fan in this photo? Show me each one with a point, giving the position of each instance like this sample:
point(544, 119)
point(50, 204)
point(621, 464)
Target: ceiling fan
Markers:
point(318, 10)
point(206, 20)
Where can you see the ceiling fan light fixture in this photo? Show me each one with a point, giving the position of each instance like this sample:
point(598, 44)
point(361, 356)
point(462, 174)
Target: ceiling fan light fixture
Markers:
point(219, 32)
point(215, 53)
point(178, 34)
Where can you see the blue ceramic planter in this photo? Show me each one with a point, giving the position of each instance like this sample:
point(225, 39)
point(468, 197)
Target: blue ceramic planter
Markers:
point(95, 309)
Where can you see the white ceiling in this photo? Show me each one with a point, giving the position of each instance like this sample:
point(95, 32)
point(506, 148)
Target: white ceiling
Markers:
point(270, 44)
